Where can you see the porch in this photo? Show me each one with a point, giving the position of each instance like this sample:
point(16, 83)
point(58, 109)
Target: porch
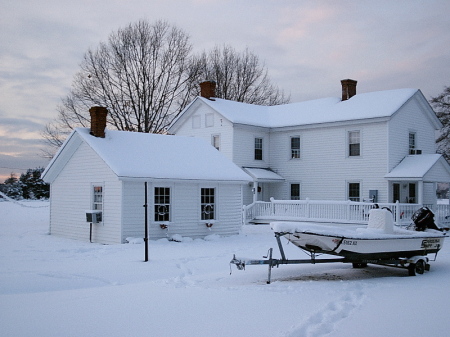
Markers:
point(261, 212)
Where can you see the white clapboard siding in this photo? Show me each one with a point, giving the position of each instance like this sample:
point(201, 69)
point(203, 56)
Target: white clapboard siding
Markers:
point(429, 193)
point(244, 146)
point(220, 126)
point(72, 195)
point(409, 118)
point(324, 167)
point(229, 220)
point(185, 217)
point(133, 218)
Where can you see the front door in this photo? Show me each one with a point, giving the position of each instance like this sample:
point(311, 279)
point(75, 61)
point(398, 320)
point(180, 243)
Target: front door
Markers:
point(395, 192)
point(404, 192)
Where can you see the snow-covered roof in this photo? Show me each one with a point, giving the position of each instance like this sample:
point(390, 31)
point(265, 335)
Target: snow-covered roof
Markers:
point(415, 166)
point(143, 155)
point(326, 110)
point(263, 175)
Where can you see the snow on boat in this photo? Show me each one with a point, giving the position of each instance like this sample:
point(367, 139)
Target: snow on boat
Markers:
point(380, 239)
point(380, 242)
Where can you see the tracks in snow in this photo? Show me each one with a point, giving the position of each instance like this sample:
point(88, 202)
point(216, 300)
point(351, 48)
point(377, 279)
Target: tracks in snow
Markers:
point(325, 320)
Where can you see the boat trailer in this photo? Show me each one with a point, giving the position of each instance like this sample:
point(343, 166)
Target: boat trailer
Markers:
point(415, 264)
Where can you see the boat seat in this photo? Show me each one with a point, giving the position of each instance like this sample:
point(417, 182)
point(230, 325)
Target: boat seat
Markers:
point(381, 220)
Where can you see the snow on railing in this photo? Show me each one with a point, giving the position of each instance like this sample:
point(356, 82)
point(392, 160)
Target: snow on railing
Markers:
point(334, 211)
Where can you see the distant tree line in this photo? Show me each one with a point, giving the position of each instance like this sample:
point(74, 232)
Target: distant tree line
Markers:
point(28, 186)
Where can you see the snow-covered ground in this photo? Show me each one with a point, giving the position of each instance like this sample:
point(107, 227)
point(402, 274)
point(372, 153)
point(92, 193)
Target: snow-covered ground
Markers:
point(50, 286)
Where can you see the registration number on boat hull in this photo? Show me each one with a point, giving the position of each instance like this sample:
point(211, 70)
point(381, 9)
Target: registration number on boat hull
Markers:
point(350, 242)
point(431, 243)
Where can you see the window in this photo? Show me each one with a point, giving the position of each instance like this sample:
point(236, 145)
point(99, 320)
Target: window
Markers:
point(196, 122)
point(353, 192)
point(412, 193)
point(295, 191)
point(412, 140)
point(209, 120)
point(207, 203)
point(395, 192)
point(258, 148)
point(162, 204)
point(98, 198)
point(354, 144)
point(295, 147)
point(215, 141)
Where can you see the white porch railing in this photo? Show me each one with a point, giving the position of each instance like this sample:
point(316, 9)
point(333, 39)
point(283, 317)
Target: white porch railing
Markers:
point(334, 211)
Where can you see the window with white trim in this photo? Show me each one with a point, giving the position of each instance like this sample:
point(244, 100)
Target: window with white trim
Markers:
point(196, 122)
point(354, 143)
point(295, 147)
point(209, 120)
point(354, 191)
point(207, 203)
point(295, 191)
point(97, 200)
point(215, 141)
point(258, 148)
point(162, 203)
point(412, 140)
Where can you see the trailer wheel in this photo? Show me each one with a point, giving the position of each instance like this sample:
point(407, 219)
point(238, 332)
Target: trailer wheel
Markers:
point(359, 265)
point(416, 268)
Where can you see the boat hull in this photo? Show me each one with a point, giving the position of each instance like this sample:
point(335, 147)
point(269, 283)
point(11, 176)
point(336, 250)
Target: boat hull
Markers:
point(367, 248)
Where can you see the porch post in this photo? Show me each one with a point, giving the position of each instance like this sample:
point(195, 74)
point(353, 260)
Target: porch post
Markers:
point(420, 192)
point(255, 191)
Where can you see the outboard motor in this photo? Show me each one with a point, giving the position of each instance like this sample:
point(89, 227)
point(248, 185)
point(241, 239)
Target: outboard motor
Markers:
point(423, 218)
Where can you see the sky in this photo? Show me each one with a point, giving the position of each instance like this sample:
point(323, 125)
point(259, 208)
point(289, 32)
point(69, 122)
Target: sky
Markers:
point(307, 47)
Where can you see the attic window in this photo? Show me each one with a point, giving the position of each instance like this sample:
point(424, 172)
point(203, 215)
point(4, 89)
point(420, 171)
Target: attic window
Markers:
point(215, 141)
point(209, 120)
point(196, 122)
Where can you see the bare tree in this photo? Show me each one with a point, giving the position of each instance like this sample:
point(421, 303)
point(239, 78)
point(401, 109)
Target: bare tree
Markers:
point(145, 75)
point(239, 76)
point(441, 105)
point(139, 74)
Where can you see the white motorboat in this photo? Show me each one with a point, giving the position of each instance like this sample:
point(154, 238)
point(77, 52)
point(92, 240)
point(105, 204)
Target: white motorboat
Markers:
point(379, 242)
point(380, 239)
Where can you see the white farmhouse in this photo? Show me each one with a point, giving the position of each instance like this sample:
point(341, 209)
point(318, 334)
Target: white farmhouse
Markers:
point(192, 189)
point(377, 146)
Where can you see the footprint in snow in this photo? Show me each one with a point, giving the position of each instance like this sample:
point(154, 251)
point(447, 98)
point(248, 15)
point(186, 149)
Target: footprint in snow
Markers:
point(323, 322)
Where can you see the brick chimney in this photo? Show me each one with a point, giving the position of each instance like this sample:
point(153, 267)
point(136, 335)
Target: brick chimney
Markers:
point(208, 89)
point(98, 121)
point(348, 89)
